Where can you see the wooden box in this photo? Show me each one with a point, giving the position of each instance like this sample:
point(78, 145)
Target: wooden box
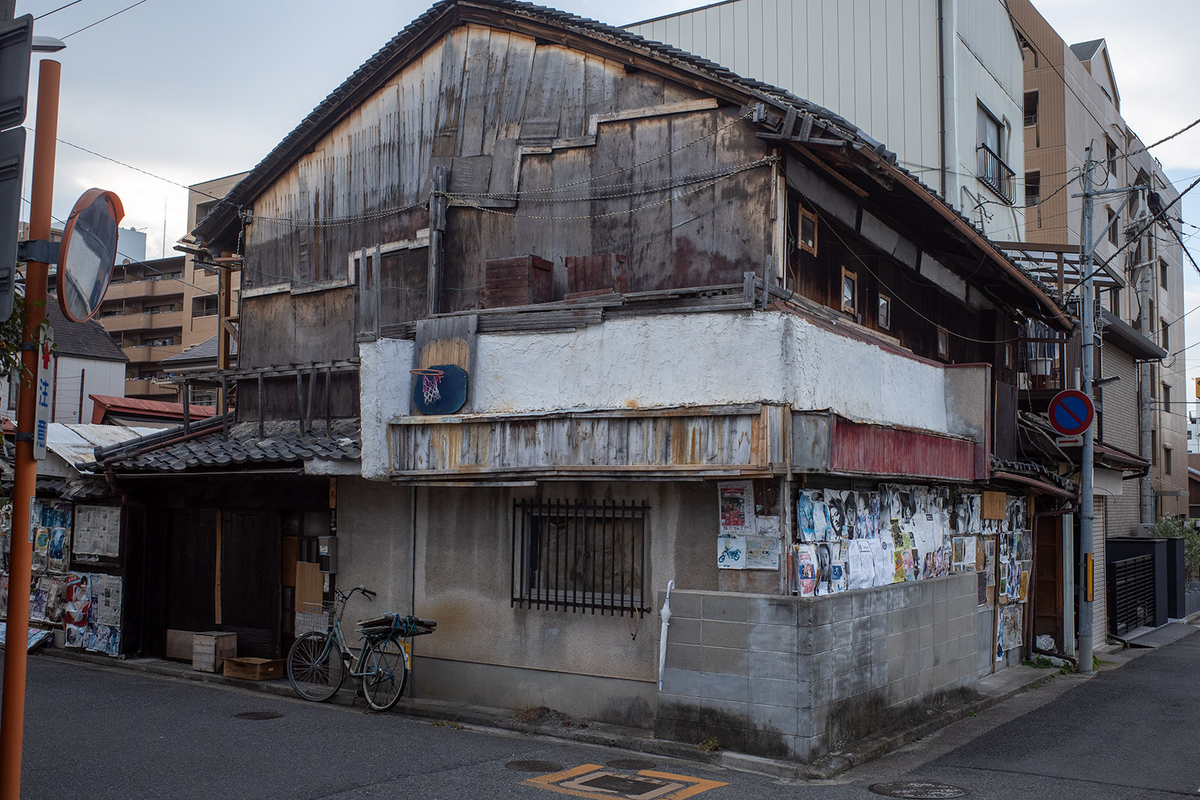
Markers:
point(587, 274)
point(179, 645)
point(210, 649)
point(518, 281)
point(254, 669)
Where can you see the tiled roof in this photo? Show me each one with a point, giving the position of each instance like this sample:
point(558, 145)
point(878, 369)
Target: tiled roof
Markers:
point(213, 450)
point(81, 339)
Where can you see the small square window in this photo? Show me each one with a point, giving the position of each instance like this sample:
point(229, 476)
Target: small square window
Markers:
point(849, 291)
point(808, 231)
point(885, 312)
point(943, 343)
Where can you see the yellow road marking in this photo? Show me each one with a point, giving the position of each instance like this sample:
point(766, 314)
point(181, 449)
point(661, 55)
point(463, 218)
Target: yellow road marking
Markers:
point(695, 785)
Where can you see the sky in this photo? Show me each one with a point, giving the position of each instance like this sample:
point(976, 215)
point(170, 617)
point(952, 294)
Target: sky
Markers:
point(195, 91)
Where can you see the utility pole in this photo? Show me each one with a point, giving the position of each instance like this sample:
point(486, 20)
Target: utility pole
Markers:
point(1144, 273)
point(12, 713)
point(1087, 317)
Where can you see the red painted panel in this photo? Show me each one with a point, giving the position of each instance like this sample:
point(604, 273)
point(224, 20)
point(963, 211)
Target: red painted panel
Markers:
point(878, 450)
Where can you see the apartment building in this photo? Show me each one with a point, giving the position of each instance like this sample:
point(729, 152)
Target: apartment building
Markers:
point(143, 310)
point(938, 82)
point(1072, 101)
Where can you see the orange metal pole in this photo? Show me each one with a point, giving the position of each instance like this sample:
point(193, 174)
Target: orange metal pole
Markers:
point(12, 714)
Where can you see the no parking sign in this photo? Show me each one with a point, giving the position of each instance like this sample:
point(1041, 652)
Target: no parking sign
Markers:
point(1071, 412)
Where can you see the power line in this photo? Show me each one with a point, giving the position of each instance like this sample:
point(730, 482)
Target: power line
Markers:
point(106, 19)
point(130, 166)
point(55, 11)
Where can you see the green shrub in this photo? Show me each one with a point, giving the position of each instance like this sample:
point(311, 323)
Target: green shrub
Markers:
point(1173, 528)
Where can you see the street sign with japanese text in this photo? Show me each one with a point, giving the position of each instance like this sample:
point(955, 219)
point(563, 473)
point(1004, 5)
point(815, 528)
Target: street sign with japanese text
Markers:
point(43, 395)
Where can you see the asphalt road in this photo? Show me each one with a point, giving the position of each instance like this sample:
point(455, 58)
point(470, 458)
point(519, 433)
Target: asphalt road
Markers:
point(112, 733)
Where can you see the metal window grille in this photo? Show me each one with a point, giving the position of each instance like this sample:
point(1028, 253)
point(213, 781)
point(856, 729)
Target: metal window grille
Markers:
point(575, 556)
point(994, 173)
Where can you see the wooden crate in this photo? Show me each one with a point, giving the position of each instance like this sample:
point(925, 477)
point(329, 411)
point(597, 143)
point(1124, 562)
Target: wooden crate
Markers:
point(606, 271)
point(179, 645)
point(211, 648)
point(518, 281)
point(254, 669)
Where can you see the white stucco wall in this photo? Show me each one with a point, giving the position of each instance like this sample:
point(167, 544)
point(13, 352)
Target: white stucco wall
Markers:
point(384, 392)
point(671, 360)
point(706, 359)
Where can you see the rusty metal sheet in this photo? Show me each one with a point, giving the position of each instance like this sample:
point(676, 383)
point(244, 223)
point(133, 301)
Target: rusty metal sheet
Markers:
point(880, 450)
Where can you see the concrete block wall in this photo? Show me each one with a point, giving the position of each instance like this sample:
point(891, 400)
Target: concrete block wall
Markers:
point(792, 677)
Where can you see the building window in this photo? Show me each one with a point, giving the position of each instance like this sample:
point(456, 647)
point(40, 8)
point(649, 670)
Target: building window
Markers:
point(1114, 300)
point(1166, 398)
point(1008, 355)
point(943, 343)
point(1164, 335)
point(1033, 188)
point(885, 312)
point(574, 555)
point(991, 169)
point(1111, 155)
point(1166, 461)
point(1114, 232)
point(808, 231)
point(1163, 276)
point(849, 292)
point(1031, 108)
point(204, 306)
point(204, 209)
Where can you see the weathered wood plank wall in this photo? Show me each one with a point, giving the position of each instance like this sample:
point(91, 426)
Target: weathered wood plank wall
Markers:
point(472, 102)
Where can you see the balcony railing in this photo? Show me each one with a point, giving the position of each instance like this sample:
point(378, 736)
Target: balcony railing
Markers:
point(994, 173)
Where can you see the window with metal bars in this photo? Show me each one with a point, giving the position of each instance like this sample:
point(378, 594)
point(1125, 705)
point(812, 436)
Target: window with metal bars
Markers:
point(576, 555)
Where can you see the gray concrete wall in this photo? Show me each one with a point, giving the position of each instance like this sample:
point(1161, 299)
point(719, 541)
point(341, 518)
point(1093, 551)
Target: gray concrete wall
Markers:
point(487, 651)
point(796, 677)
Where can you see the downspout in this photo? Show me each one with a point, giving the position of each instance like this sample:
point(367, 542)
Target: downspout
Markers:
point(941, 38)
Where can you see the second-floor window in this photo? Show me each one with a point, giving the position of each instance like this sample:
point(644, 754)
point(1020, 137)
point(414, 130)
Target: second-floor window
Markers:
point(991, 169)
point(1114, 233)
point(1033, 188)
point(849, 292)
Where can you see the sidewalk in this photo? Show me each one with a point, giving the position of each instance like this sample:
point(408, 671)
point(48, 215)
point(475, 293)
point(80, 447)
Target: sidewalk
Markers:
point(993, 689)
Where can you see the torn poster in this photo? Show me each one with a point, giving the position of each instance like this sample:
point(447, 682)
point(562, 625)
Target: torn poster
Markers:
point(805, 525)
point(56, 598)
point(731, 552)
point(98, 530)
point(861, 564)
point(41, 545)
point(762, 552)
point(768, 526)
point(37, 600)
point(36, 636)
point(57, 548)
point(106, 593)
point(79, 599)
point(884, 553)
point(807, 569)
point(737, 507)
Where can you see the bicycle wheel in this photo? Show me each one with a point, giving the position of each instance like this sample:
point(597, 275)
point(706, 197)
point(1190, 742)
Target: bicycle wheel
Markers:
point(385, 672)
point(315, 668)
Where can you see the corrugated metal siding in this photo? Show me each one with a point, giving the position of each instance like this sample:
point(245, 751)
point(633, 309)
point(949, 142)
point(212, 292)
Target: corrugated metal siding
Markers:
point(877, 450)
point(871, 61)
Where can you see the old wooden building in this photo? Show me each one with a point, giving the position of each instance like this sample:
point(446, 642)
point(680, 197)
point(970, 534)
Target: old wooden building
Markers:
point(631, 283)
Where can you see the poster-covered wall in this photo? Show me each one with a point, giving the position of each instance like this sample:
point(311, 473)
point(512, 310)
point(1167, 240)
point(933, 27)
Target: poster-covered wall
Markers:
point(842, 540)
point(86, 605)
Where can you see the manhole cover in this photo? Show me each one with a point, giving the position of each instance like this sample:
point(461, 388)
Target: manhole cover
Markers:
point(919, 790)
point(258, 715)
point(631, 763)
point(534, 766)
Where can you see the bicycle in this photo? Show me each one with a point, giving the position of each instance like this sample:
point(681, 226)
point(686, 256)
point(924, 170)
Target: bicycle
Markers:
point(319, 661)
